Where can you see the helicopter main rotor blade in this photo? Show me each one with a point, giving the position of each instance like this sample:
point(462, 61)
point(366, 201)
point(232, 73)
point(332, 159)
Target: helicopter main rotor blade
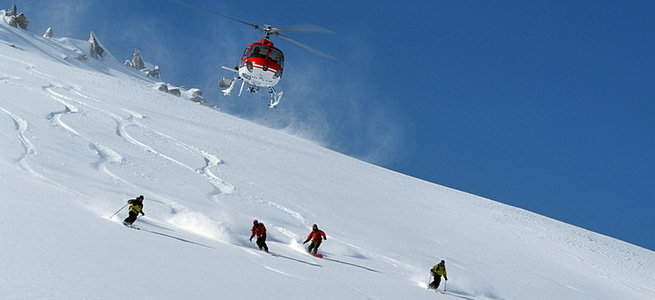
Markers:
point(310, 49)
point(269, 29)
point(214, 13)
point(304, 28)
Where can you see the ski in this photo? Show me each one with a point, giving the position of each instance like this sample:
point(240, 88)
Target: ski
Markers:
point(131, 226)
point(316, 255)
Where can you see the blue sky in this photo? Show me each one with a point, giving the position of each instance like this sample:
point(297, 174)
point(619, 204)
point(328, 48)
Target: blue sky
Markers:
point(547, 106)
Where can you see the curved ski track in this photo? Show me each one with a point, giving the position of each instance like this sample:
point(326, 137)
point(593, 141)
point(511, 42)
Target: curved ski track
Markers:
point(107, 155)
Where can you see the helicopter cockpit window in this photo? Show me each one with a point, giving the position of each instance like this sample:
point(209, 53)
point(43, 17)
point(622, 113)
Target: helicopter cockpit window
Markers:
point(258, 51)
point(276, 56)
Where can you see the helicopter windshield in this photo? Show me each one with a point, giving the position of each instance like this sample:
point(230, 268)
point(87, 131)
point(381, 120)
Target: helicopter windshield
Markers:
point(258, 51)
point(276, 56)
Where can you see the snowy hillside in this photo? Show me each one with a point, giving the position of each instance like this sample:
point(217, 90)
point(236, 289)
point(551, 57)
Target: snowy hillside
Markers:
point(81, 137)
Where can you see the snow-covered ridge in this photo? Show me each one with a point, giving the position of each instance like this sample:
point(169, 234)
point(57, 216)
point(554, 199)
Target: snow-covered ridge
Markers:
point(82, 137)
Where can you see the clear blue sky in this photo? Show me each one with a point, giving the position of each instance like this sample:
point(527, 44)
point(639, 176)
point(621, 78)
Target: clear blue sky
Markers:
point(547, 106)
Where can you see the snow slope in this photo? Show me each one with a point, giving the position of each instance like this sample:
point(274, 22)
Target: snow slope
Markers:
point(80, 138)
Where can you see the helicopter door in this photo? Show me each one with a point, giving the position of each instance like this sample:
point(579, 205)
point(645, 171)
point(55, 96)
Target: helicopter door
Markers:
point(276, 56)
point(243, 57)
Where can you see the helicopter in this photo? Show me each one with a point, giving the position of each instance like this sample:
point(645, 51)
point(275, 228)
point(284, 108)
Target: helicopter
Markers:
point(261, 64)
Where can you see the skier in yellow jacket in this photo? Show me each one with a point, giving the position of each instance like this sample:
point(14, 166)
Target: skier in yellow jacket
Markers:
point(136, 208)
point(437, 271)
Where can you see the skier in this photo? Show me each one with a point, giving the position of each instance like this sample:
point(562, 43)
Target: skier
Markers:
point(317, 236)
point(437, 271)
point(136, 208)
point(259, 230)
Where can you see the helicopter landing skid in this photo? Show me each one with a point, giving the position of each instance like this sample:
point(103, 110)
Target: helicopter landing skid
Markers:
point(227, 85)
point(275, 97)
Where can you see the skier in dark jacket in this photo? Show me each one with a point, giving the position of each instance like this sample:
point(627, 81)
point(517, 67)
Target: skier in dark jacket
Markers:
point(136, 208)
point(259, 230)
point(437, 271)
point(316, 236)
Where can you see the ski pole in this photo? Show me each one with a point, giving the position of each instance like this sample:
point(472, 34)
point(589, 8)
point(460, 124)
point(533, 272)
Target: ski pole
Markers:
point(445, 283)
point(118, 211)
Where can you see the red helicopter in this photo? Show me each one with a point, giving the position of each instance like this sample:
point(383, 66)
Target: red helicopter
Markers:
point(262, 64)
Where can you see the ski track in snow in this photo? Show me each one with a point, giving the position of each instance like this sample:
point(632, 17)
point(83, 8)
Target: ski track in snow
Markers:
point(294, 214)
point(211, 160)
point(30, 150)
point(68, 109)
point(105, 154)
point(9, 79)
point(181, 215)
point(28, 147)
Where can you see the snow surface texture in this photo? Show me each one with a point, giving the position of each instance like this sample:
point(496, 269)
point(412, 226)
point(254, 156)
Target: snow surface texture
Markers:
point(80, 138)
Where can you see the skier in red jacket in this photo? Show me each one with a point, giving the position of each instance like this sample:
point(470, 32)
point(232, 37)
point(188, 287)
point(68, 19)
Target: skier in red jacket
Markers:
point(259, 230)
point(316, 236)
